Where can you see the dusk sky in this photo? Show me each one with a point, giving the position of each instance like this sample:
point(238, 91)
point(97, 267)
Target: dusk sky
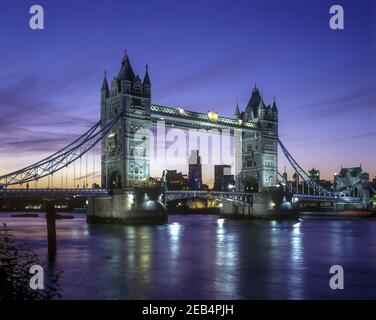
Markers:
point(202, 55)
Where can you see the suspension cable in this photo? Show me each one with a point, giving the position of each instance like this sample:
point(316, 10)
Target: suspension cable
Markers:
point(86, 172)
point(310, 182)
point(63, 157)
point(94, 167)
point(80, 178)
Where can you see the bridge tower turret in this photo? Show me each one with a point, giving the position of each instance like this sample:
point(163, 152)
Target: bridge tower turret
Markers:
point(237, 113)
point(105, 92)
point(146, 84)
point(269, 145)
point(125, 150)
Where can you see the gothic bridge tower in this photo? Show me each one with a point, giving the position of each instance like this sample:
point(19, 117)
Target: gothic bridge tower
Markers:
point(259, 149)
point(125, 160)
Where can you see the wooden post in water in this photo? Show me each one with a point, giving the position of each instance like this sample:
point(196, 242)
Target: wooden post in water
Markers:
point(51, 229)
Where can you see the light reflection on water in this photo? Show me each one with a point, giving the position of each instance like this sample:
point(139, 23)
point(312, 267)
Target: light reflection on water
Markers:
point(203, 257)
point(174, 230)
point(296, 262)
point(226, 261)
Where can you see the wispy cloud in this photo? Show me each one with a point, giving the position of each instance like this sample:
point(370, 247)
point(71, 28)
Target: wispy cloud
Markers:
point(363, 100)
point(329, 140)
point(31, 121)
point(213, 73)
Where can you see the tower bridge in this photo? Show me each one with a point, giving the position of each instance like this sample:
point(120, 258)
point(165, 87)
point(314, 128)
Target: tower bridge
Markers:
point(125, 158)
point(125, 195)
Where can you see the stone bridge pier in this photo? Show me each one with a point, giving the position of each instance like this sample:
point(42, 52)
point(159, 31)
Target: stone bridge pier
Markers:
point(273, 203)
point(128, 206)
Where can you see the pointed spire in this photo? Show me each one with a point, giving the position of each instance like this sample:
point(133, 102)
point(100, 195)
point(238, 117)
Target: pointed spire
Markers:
point(274, 106)
point(104, 84)
point(237, 110)
point(284, 175)
point(126, 71)
point(126, 57)
point(254, 100)
point(146, 77)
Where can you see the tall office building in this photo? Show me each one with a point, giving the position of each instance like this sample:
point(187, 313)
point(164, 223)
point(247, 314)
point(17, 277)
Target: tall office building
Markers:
point(223, 180)
point(195, 170)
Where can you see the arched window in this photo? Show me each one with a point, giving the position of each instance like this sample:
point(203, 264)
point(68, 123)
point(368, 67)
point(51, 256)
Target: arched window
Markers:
point(115, 181)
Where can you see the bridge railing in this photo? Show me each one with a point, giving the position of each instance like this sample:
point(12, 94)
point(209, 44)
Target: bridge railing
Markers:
point(243, 197)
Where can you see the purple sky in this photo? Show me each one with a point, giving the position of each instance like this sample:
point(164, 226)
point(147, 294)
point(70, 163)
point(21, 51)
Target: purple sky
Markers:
point(202, 55)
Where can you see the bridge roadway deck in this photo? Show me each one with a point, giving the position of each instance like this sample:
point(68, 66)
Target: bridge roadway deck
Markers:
point(171, 194)
point(52, 192)
point(317, 198)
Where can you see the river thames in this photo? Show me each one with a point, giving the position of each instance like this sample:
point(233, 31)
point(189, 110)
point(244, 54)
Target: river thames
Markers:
point(204, 257)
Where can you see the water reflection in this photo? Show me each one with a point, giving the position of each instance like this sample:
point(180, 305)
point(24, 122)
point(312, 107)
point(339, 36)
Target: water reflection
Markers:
point(174, 232)
point(226, 262)
point(296, 275)
point(203, 257)
point(144, 251)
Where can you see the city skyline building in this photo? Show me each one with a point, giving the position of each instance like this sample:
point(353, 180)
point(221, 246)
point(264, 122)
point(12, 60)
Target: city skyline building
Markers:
point(195, 170)
point(223, 179)
point(176, 180)
point(314, 174)
point(348, 177)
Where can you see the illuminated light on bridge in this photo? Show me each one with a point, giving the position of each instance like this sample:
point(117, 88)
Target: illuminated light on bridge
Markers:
point(181, 111)
point(213, 116)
